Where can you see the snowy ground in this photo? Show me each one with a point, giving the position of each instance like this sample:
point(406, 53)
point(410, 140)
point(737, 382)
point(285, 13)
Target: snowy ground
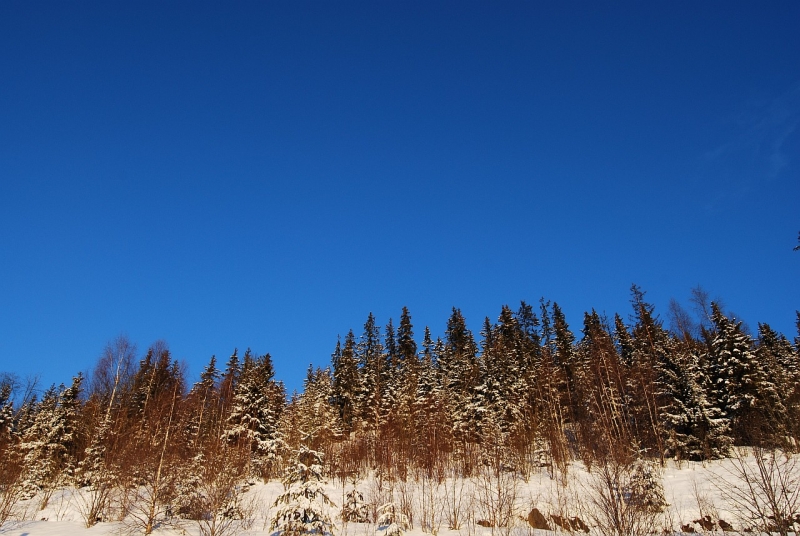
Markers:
point(688, 488)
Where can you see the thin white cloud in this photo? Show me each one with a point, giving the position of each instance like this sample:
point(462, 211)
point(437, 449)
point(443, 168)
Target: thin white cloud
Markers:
point(761, 147)
point(761, 135)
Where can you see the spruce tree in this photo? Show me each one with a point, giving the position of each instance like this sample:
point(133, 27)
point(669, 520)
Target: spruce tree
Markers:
point(303, 506)
point(432, 419)
point(694, 429)
point(570, 365)
point(6, 416)
point(605, 427)
point(203, 399)
point(779, 386)
point(390, 378)
point(406, 380)
point(49, 444)
point(739, 382)
point(318, 419)
point(651, 346)
point(346, 382)
point(257, 405)
point(406, 347)
point(530, 347)
point(459, 371)
point(371, 360)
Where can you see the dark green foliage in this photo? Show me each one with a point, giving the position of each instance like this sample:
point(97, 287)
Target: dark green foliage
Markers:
point(346, 382)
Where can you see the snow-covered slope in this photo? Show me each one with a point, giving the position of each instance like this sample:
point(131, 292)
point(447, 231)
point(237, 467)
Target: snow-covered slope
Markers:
point(692, 490)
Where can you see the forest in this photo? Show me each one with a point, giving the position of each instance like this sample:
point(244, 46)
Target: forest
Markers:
point(528, 394)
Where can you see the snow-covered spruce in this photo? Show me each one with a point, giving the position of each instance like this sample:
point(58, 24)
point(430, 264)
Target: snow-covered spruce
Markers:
point(354, 509)
point(391, 521)
point(303, 506)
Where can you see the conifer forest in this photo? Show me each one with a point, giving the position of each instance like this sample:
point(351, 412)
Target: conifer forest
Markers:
point(525, 394)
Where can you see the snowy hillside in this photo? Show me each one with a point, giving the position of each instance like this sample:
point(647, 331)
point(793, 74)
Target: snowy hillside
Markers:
point(695, 494)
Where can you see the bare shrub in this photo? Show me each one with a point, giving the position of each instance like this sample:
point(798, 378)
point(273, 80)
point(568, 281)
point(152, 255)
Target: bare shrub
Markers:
point(765, 493)
point(379, 492)
point(457, 503)
point(61, 503)
point(221, 507)
point(706, 507)
point(148, 505)
point(563, 503)
point(673, 517)
point(94, 499)
point(625, 499)
point(11, 491)
point(406, 494)
point(154, 477)
point(93, 503)
point(430, 504)
point(496, 493)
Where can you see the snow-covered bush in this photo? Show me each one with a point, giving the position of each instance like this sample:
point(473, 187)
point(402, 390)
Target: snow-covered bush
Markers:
point(355, 508)
point(644, 488)
point(304, 505)
point(391, 521)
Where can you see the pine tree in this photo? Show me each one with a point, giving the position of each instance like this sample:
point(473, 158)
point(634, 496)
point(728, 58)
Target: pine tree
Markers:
point(605, 430)
point(371, 361)
point(547, 336)
point(572, 372)
point(303, 506)
point(432, 421)
point(25, 416)
point(346, 382)
point(624, 342)
point(509, 366)
point(98, 473)
point(554, 414)
point(713, 425)
point(694, 428)
point(403, 386)
point(530, 348)
point(257, 405)
point(459, 373)
point(6, 416)
point(779, 385)
point(797, 339)
point(410, 369)
point(355, 509)
point(50, 442)
point(391, 521)
point(390, 379)
point(228, 383)
point(427, 374)
point(406, 347)
point(651, 345)
point(740, 385)
point(203, 399)
point(154, 386)
point(498, 401)
point(318, 418)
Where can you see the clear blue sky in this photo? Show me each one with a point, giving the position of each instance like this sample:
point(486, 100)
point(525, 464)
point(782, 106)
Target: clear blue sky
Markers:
point(265, 174)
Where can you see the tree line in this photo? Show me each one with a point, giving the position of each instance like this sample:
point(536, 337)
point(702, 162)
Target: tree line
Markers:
point(529, 391)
